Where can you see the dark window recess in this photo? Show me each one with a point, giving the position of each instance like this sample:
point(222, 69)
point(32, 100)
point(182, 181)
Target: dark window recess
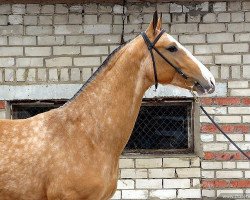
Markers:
point(160, 127)
point(29, 109)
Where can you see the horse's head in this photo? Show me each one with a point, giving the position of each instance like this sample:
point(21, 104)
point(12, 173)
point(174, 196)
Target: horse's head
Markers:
point(177, 60)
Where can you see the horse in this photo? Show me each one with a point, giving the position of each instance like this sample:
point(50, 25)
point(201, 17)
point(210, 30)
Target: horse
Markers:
point(72, 152)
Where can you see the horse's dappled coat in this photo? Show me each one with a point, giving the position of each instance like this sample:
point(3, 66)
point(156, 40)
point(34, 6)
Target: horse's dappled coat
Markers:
point(72, 152)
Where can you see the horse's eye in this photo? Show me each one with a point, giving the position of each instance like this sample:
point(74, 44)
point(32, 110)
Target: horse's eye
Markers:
point(172, 49)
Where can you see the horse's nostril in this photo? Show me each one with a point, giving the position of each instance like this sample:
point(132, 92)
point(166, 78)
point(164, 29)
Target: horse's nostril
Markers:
point(212, 88)
point(212, 83)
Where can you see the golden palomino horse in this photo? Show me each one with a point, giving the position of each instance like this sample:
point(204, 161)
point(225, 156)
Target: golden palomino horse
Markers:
point(72, 153)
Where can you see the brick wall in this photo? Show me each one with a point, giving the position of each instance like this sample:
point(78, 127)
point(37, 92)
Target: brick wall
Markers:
point(224, 170)
point(49, 48)
point(168, 177)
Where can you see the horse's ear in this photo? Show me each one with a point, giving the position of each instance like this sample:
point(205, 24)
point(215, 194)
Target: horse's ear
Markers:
point(159, 23)
point(153, 24)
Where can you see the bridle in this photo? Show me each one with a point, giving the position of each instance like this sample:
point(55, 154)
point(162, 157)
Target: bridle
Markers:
point(151, 46)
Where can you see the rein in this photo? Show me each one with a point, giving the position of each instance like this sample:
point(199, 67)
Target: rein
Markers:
point(151, 46)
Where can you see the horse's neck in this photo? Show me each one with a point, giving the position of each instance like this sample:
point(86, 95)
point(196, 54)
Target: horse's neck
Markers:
point(107, 108)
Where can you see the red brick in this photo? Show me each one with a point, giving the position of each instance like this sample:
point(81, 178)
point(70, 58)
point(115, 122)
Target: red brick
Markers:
point(225, 101)
point(209, 155)
point(246, 101)
point(225, 156)
point(215, 183)
point(236, 128)
point(207, 183)
point(221, 183)
point(227, 128)
point(208, 128)
point(2, 104)
point(206, 101)
point(240, 183)
point(224, 183)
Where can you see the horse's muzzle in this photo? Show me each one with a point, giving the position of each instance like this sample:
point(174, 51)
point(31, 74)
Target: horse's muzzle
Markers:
point(205, 89)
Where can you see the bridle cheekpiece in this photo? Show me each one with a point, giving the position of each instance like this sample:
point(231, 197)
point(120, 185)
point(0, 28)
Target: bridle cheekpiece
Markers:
point(151, 46)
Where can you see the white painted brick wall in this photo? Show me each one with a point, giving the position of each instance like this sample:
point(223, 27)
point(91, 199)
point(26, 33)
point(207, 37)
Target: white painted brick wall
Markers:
point(186, 39)
point(97, 29)
point(50, 40)
point(15, 19)
point(134, 173)
point(234, 137)
point(211, 165)
point(228, 59)
point(68, 29)
point(225, 119)
point(135, 194)
point(94, 50)
point(148, 183)
point(38, 51)
point(161, 173)
point(29, 62)
point(207, 49)
point(148, 163)
point(59, 62)
point(237, 84)
point(125, 184)
point(176, 183)
point(207, 174)
point(163, 194)
point(228, 165)
point(39, 30)
point(212, 28)
point(189, 193)
point(22, 40)
point(80, 39)
point(184, 28)
point(11, 51)
point(126, 163)
point(237, 48)
point(215, 147)
point(230, 193)
point(207, 137)
point(87, 61)
point(229, 174)
point(7, 62)
point(242, 37)
point(188, 172)
point(176, 162)
point(66, 50)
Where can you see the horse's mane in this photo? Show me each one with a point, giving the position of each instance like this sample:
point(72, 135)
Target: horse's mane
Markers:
point(100, 68)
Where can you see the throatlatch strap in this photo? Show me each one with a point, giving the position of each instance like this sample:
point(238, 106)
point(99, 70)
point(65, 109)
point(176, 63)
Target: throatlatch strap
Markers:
point(150, 45)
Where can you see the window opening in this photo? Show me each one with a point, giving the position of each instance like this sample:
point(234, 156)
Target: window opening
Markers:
point(162, 126)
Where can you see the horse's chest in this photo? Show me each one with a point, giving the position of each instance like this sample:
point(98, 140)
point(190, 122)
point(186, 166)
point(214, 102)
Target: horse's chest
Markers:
point(107, 181)
point(107, 178)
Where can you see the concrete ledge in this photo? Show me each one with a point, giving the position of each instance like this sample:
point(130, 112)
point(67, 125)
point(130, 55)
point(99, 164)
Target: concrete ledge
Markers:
point(66, 91)
point(38, 92)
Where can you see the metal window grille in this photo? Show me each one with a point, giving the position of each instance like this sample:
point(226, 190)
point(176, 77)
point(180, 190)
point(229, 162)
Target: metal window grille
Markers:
point(23, 110)
point(161, 126)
